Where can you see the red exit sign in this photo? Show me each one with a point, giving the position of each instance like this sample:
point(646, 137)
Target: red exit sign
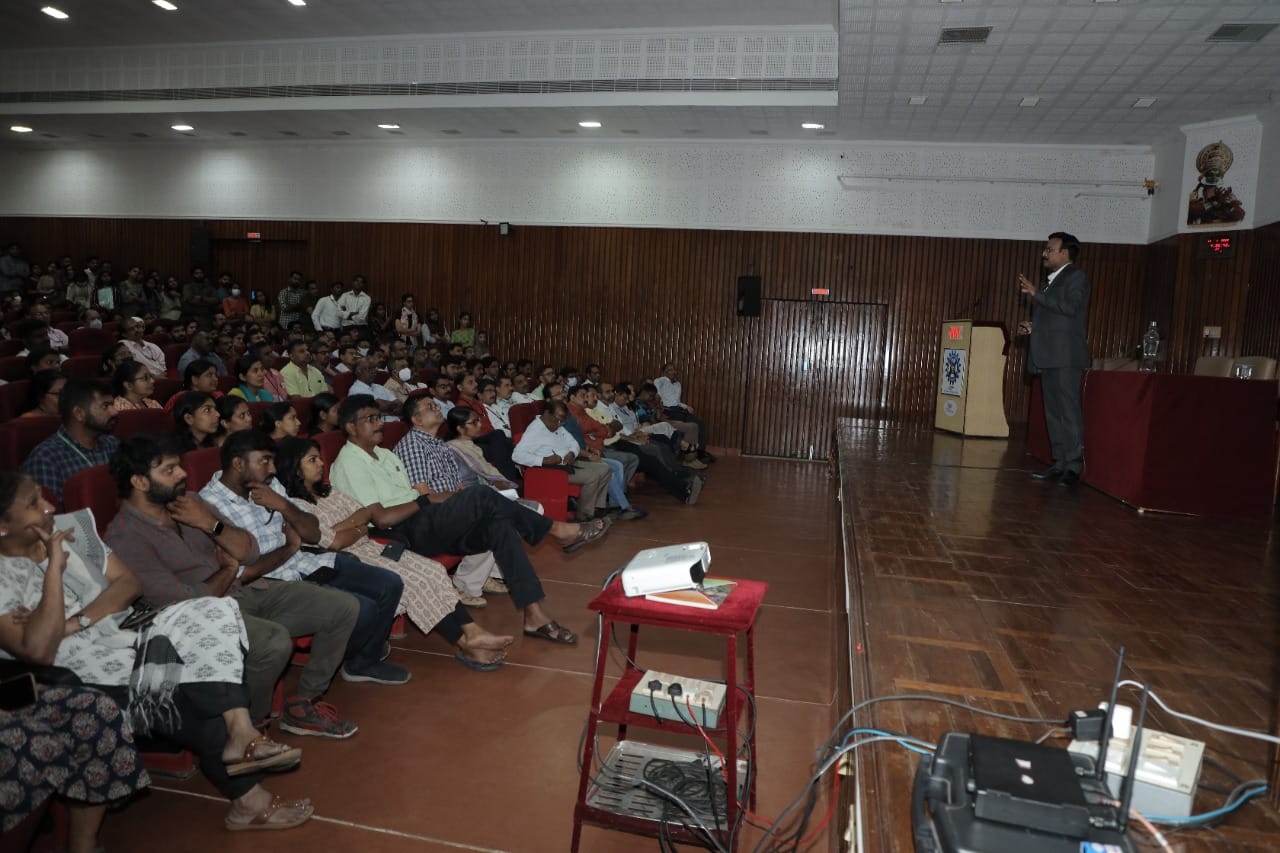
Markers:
point(253, 235)
point(955, 333)
point(819, 291)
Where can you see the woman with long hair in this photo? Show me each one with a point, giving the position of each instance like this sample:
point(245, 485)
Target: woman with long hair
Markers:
point(63, 600)
point(199, 375)
point(195, 418)
point(134, 386)
point(324, 414)
point(279, 420)
point(465, 333)
point(429, 596)
point(252, 377)
point(42, 394)
point(234, 414)
point(407, 325)
point(115, 355)
point(433, 330)
point(464, 428)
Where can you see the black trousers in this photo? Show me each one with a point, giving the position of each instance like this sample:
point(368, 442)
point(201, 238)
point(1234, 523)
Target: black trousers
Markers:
point(497, 447)
point(1063, 416)
point(680, 413)
point(476, 520)
point(656, 462)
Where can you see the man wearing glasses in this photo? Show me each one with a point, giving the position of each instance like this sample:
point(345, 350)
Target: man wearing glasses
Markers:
point(547, 443)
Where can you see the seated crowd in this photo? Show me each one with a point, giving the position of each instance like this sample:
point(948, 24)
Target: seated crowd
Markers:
point(352, 452)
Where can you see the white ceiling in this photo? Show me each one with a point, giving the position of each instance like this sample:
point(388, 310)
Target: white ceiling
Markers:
point(1087, 62)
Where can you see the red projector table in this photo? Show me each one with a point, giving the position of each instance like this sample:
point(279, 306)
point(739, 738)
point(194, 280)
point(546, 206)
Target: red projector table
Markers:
point(1201, 445)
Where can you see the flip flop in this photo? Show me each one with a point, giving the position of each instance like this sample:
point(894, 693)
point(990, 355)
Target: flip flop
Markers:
point(553, 632)
point(588, 532)
point(262, 820)
point(282, 760)
point(475, 664)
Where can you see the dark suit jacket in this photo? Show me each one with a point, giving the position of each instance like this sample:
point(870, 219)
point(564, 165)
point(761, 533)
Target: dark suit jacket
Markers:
point(1058, 337)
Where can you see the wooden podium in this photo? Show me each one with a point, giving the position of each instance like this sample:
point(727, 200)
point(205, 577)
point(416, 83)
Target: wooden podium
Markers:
point(971, 379)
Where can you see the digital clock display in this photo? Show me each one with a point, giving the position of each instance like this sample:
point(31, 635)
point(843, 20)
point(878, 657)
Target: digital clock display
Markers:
point(1219, 246)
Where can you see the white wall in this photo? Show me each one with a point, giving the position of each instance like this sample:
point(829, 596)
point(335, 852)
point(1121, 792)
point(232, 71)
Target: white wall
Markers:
point(1268, 203)
point(1015, 192)
point(1168, 206)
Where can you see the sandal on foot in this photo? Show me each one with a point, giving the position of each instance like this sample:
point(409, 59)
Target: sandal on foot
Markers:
point(553, 632)
point(588, 532)
point(282, 760)
point(478, 666)
point(262, 820)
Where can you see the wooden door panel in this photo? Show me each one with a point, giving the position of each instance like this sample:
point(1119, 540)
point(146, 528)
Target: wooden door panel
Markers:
point(810, 363)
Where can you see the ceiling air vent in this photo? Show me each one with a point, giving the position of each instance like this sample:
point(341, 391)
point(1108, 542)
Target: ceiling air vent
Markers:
point(1239, 33)
point(964, 35)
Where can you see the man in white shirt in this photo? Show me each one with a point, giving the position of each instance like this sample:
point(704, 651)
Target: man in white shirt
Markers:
point(327, 316)
point(441, 390)
point(143, 352)
point(57, 337)
point(496, 398)
point(366, 372)
point(354, 306)
point(547, 443)
point(676, 409)
point(520, 390)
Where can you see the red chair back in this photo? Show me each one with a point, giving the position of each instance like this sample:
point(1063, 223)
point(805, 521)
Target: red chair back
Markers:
point(256, 408)
point(226, 383)
point(63, 316)
point(28, 432)
point(341, 384)
point(521, 415)
point(392, 432)
point(302, 405)
point(83, 367)
point(13, 368)
point(93, 488)
point(10, 347)
point(330, 443)
point(139, 421)
point(200, 466)
point(69, 326)
point(173, 352)
point(160, 339)
point(113, 328)
point(166, 388)
point(90, 341)
point(13, 398)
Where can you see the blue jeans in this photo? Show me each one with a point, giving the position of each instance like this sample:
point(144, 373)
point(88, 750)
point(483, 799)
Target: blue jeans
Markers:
point(378, 593)
point(617, 483)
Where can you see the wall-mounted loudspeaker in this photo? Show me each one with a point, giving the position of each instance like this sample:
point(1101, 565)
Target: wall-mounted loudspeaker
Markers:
point(749, 296)
point(200, 248)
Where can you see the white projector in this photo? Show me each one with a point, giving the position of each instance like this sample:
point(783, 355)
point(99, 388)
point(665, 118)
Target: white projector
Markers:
point(667, 568)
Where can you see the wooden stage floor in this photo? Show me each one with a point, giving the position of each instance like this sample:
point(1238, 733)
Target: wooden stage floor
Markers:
point(970, 580)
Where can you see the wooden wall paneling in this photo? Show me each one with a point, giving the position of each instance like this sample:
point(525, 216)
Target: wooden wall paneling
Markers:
point(1261, 334)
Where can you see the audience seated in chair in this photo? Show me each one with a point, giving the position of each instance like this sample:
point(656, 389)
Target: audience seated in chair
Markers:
point(591, 436)
point(42, 394)
point(546, 442)
point(134, 387)
point(469, 521)
point(279, 420)
point(178, 677)
point(83, 440)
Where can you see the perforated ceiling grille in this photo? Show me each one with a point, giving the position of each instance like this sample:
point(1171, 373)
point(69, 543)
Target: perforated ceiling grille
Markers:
point(964, 35)
point(1237, 33)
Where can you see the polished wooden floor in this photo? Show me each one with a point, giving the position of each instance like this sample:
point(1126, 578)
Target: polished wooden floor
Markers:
point(486, 761)
point(973, 581)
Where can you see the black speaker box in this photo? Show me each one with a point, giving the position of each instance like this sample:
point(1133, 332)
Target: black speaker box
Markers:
point(749, 296)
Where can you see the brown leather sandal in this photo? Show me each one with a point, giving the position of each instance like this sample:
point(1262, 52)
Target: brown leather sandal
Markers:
point(262, 820)
point(282, 760)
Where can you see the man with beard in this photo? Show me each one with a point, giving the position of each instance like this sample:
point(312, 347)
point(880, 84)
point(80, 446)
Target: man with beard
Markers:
point(82, 441)
point(179, 547)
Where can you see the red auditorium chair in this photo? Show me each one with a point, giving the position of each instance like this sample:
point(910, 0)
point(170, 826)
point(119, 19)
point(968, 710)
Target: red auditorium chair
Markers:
point(26, 433)
point(133, 422)
point(166, 388)
point(341, 384)
point(83, 367)
point(93, 488)
point(69, 326)
point(200, 466)
point(302, 405)
point(13, 399)
point(62, 316)
point(10, 347)
point(330, 443)
point(226, 383)
point(548, 486)
point(256, 408)
point(392, 432)
point(113, 328)
point(173, 352)
point(90, 341)
point(13, 368)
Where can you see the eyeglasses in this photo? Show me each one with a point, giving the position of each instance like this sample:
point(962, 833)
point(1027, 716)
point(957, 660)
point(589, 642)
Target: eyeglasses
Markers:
point(371, 419)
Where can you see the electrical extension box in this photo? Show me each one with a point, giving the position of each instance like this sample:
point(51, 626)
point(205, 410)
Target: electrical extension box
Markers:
point(1167, 773)
point(706, 697)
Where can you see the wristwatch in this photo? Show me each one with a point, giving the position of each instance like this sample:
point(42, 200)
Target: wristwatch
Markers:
point(83, 621)
point(218, 527)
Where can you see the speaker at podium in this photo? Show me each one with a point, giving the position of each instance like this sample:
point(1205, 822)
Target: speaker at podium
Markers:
point(971, 379)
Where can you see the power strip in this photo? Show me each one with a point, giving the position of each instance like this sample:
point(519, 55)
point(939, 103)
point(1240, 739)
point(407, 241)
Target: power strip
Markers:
point(672, 695)
point(1167, 773)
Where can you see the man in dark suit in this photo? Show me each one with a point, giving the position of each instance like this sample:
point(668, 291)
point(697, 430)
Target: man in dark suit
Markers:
point(1060, 352)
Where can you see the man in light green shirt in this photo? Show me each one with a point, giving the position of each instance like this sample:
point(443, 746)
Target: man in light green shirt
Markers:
point(301, 377)
point(468, 521)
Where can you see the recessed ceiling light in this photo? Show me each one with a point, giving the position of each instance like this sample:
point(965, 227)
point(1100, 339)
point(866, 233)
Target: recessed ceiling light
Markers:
point(55, 12)
point(182, 127)
point(917, 100)
point(1143, 103)
point(20, 128)
point(588, 124)
point(388, 127)
point(164, 4)
point(813, 125)
point(1029, 101)
point(297, 2)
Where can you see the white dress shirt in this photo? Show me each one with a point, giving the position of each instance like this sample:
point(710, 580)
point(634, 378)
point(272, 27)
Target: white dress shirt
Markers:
point(538, 443)
point(326, 314)
point(498, 416)
point(668, 391)
point(378, 392)
point(357, 304)
point(145, 352)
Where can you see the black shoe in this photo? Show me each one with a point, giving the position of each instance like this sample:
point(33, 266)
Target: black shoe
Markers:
point(1047, 474)
point(706, 458)
point(1071, 478)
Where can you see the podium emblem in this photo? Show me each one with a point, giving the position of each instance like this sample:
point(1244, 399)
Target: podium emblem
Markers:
point(953, 372)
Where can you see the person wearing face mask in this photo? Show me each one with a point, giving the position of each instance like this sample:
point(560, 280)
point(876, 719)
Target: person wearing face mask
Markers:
point(234, 307)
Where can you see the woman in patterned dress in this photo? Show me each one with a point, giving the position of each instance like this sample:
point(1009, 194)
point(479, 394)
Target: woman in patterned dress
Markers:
point(63, 596)
point(429, 597)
